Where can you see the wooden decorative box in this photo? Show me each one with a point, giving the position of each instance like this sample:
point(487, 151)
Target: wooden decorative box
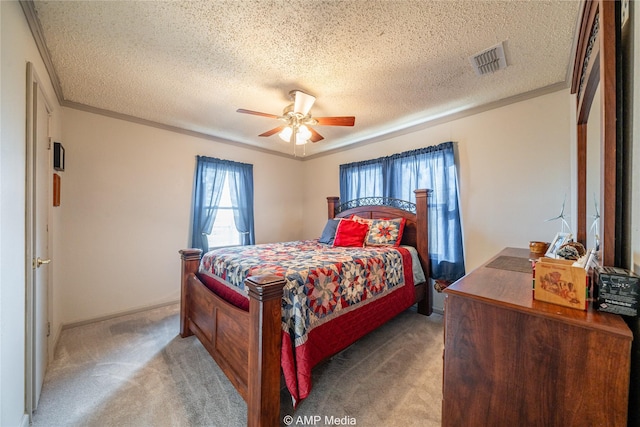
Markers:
point(558, 281)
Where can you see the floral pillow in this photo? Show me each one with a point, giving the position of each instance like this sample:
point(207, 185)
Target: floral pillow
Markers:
point(351, 233)
point(385, 232)
point(357, 218)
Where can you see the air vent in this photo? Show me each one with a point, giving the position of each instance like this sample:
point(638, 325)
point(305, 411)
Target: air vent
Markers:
point(489, 60)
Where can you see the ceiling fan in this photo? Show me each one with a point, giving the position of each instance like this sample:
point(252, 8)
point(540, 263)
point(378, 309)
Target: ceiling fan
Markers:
point(298, 120)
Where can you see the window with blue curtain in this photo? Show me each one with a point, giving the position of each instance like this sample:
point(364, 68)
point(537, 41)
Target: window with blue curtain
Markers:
point(397, 176)
point(211, 177)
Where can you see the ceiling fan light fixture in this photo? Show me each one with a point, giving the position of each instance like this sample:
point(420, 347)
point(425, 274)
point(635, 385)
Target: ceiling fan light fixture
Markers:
point(285, 134)
point(302, 135)
point(298, 129)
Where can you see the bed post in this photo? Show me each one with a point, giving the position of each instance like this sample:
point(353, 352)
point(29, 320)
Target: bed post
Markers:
point(265, 340)
point(332, 203)
point(422, 230)
point(190, 262)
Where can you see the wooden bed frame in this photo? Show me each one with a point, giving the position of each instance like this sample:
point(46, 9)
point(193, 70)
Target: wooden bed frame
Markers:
point(247, 344)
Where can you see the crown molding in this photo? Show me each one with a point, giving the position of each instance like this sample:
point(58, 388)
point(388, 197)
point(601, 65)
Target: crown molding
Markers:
point(358, 144)
point(556, 87)
point(170, 128)
point(38, 36)
point(36, 30)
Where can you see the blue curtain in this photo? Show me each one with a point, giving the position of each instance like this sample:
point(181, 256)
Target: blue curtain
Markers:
point(433, 168)
point(207, 189)
point(361, 178)
point(241, 188)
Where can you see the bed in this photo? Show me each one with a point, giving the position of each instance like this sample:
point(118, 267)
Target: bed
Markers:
point(248, 336)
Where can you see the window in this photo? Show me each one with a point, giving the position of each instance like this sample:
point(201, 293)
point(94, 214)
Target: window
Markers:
point(223, 231)
point(397, 176)
point(222, 204)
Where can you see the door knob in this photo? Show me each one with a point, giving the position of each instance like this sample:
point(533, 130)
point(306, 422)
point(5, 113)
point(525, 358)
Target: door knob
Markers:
point(39, 261)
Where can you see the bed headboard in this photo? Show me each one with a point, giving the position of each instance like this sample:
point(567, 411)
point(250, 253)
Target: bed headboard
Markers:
point(416, 231)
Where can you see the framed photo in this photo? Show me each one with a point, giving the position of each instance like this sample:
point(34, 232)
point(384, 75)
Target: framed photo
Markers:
point(556, 243)
point(58, 156)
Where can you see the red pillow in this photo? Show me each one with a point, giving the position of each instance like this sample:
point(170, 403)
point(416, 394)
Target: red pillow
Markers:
point(351, 233)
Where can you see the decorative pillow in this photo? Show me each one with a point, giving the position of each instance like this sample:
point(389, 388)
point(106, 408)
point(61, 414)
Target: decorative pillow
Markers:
point(329, 232)
point(351, 233)
point(357, 218)
point(385, 232)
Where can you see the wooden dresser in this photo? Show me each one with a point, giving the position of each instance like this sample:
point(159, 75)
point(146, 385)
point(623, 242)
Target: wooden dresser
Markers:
point(510, 360)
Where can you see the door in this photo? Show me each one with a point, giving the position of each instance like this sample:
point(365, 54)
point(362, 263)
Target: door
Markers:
point(37, 239)
point(41, 216)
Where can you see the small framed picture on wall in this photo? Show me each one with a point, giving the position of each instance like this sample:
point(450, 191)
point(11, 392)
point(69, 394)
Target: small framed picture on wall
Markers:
point(58, 156)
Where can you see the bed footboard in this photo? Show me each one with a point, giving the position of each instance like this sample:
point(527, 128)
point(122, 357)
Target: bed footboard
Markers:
point(245, 345)
point(265, 341)
point(190, 262)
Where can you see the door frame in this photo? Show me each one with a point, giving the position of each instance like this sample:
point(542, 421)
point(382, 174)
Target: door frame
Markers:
point(33, 86)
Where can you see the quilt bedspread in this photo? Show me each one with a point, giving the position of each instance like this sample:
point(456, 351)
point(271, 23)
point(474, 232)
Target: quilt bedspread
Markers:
point(323, 283)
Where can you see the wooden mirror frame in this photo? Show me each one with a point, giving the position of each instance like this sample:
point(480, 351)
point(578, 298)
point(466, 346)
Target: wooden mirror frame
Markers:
point(595, 65)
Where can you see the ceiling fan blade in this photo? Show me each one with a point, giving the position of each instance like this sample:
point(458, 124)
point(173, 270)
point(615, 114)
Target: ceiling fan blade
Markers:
point(256, 113)
point(272, 131)
point(315, 136)
point(303, 102)
point(336, 121)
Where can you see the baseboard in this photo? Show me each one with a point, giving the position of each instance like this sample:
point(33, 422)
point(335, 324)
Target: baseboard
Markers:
point(438, 310)
point(25, 420)
point(118, 314)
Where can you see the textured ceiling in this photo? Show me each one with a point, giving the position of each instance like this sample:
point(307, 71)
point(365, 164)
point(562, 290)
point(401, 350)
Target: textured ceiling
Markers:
point(391, 64)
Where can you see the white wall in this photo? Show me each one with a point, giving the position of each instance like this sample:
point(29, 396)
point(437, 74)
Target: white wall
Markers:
point(126, 195)
point(514, 170)
point(17, 48)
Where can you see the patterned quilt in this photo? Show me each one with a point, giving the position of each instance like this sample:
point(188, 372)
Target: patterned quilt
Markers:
point(322, 283)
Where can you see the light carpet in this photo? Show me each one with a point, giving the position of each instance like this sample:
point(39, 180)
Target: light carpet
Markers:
point(135, 370)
